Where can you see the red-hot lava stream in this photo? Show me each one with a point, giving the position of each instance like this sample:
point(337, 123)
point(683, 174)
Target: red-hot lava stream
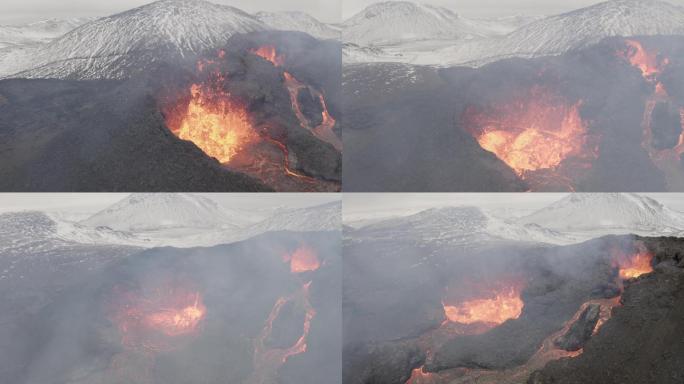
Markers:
point(267, 361)
point(220, 125)
point(505, 303)
point(534, 134)
point(148, 323)
point(652, 64)
point(324, 130)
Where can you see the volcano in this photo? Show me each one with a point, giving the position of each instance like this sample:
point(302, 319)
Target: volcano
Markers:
point(160, 316)
point(200, 121)
point(508, 313)
point(572, 122)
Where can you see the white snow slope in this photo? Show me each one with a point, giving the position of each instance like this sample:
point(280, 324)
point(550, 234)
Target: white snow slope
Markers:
point(104, 48)
point(298, 21)
point(547, 36)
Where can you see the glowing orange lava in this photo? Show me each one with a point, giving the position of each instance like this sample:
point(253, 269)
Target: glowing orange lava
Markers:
point(324, 130)
point(218, 125)
point(303, 259)
point(152, 320)
point(418, 376)
point(267, 360)
point(538, 131)
point(649, 63)
point(634, 264)
point(495, 307)
point(269, 52)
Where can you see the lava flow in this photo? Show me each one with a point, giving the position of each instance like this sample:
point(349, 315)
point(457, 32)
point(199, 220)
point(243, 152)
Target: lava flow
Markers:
point(324, 130)
point(157, 320)
point(537, 131)
point(267, 361)
point(495, 306)
point(303, 259)
point(651, 65)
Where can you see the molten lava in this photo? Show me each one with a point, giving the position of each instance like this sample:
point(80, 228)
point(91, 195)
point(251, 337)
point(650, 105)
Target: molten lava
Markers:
point(218, 125)
point(324, 130)
point(649, 63)
point(495, 307)
point(269, 52)
point(633, 264)
point(535, 132)
point(267, 360)
point(303, 259)
point(153, 320)
point(652, 64)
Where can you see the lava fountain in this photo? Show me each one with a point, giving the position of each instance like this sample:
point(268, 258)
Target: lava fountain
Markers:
point(303, 259)
point(632, 264)
point(217, 124)
point(492, 307)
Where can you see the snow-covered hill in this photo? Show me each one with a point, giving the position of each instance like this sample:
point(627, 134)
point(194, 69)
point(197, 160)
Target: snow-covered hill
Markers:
point(573, 219)
point(144, 212)
point(114, 46)
point(393, 22)
point(607, 212)
point(298, 21)
point(38, 32)
point(551, 35)
point(325, 217)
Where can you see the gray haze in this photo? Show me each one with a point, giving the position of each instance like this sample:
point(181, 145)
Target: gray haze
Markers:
point(22, 11)
point(491, 8)
point(94, 202)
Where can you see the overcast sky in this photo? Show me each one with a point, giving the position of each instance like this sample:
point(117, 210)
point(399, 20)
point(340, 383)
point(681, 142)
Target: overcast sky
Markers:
point(20, 11)
point(94, 202)
point(488, 8)
point(363, 206)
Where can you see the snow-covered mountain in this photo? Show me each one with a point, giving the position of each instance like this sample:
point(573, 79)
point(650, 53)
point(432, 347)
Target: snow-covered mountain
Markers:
point(38, 32)
point(573, 219)
point(325, 217)
point(142, 212)
point(114, 46)
point(607, 212)
point(583, 27)
point(298, 21)
point(551, 35)
point(392, 22)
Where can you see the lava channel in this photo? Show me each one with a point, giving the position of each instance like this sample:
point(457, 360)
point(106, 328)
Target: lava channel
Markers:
point(651, 64)
point(323, 130)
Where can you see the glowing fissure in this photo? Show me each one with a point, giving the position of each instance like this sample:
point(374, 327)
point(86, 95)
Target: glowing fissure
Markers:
point(537, 131)
point(267, 361)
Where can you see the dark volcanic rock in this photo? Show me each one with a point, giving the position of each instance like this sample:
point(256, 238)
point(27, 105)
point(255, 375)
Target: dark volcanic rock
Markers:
point(581, 330)
point(643, 342)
